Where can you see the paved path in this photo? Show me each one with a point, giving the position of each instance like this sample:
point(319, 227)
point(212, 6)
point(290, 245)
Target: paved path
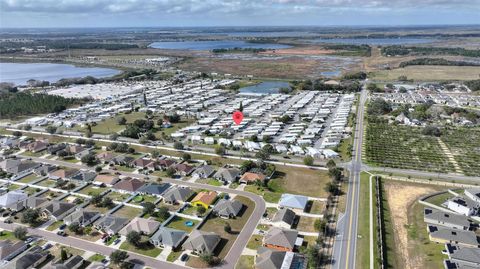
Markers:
point(232, 256)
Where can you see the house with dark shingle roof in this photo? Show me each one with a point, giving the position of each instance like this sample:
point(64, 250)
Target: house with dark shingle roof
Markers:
point(128, 185)
point(17, 167)
point(165, 163)
point(204, 171)
point(227, 208)
point(448, 220)
point(10, 249)
point(463, 255)
point(111, 224)
point(141, 225)
point(177, 194)
point(227, 174)
point(168, 237)
point(82, 217)
point(84, 176)
point(280, 239)
point(154, 189)
point(34, 257)
point(284, 218)
point(122, 160)
point(58, 210)
point(202, 242)
point(459, 237)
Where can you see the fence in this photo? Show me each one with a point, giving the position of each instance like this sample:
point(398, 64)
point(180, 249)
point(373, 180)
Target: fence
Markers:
point(380, 228)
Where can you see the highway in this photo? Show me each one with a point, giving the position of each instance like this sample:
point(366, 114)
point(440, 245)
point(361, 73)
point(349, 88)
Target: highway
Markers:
point(234, 253)
point(344, 248)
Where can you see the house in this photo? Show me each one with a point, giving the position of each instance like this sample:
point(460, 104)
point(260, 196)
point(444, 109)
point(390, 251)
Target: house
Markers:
point(82, 217)
point(297, 203)
point(177, 194)
point(227, 208)
point(280, 239)
point(128, 185)
point(459, 237)
point(473, 194)
point(62, 173)
point(9, 249)
point(106, 179)
point(202, 243)
point(74, 149)
point(122, 160)
point(227, 174)
point(163, 164)
point(105, 157)
point(53, 149)
point(463, 255)
point(167, 237)
point(58, 210)
point(111, 224)
point(35, 202)
point(143, 163)
point(44, 169)
point(448, 220)
point(84, 176)
point(184, 169)
point(141, 225)
point(82, 154)
point(284, 218)
point(204, 198)
point(74, 262)
point(34, 257)
point(250, 177)
point(464, 206)
point(37, 146)
point(17, 167)
point(13, 200)
point(204, 171)
point(154, 189)
point(268, 258)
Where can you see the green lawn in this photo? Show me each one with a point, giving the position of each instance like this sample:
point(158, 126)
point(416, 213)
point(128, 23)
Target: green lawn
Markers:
point(179, 224)
point(146, 249)
point(305, 224)
point(92, 190)
point(209, 181)
point(191, 210)
point(6, 235)
point(439, 199)
point(245, 262)
point(96, 258)
point(268, 196)
point(117, 196)
point(139, 199)
point(55, 225)
point(29, 178)
point(173, 256)
point(255, 242)
point(128, 212)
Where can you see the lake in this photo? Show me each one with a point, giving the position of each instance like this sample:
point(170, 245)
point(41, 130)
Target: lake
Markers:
point(19, 73)
point(375, 41)
point(217, 44)
point(266, 87)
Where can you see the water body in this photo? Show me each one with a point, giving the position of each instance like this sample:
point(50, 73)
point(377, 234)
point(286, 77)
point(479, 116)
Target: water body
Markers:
point(374, 41)
point(217, 44)
point(331, 74)
point(20, 73)
point(266, 87)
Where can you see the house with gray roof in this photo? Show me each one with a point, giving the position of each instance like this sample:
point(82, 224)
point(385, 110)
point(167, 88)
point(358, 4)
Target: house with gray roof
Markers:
point(227, 174)
point(268, 258)
point(463, 255)
point(82, 217)
point(464, 206)
point(473, 194)
point(280, 239)
point(111, 224)
point(154, 189)
point(284, 218)
point(84, 176)
point(204, 171)
point(74, 262)
point(17, 167)
point(34, 202)
point(177, 194)
point(168, 237)
point(448, 220)
point(58, 210)
point(202, 242)
point(34, 257)
point(460, 237)
point(141, 225)
point(297, 203)
point(10, 249)
point(13, 200)
point(227, 208)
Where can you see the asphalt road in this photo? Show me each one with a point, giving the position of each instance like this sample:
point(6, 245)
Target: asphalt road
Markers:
point(344, 249)
point(234, 253)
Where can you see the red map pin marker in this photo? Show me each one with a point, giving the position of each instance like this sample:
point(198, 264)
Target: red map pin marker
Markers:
point(237, 117)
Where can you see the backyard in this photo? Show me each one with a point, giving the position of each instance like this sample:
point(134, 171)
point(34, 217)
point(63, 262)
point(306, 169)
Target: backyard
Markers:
point(128, 212)
point(179, 223)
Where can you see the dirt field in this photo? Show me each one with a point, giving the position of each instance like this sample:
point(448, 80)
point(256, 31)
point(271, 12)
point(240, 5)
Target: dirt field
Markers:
point(400, 198)
point(299, 51)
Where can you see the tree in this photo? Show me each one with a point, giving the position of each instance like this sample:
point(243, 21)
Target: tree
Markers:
point(432, 131)
point(96, 199)
point(118, 256)
point(113, 136)
point(98, 169)
point(31, 216)
point(131, 150)
point(331, 188)
point(175, 118)
point(220, 150)
point(285, 119)
point(308, 160)
point(373, 87)
point(155, 154)
point(89, 159)
point(186, 157)
point(227, 228)
point(163, 213)
point(335, 173)
point(134, 237)
point(20, 233)
point(107, 202)
point(331, 164)
point(210, 259)
point(148, 208)
point(143, 140)
point(74, 227)
point(63, 254)
point(17, 133)
point(178, 145)
point(51, 129)
point(379, 107)
point(170, 172)
point(201, 210)
point(121, 120)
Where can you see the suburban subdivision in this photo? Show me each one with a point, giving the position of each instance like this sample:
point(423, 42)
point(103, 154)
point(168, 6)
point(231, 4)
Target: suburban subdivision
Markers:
point(240, 148)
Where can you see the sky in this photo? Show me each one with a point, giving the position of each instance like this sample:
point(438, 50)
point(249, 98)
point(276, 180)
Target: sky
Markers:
point(171, 13)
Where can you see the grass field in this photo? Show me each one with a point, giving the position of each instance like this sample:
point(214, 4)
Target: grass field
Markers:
point(92, 190)
point(429, 73)
point(305, 224)
point(255, 241)
point(179, 224)
point(29, 178)
point(128, 212)
point(302, 181)
point(146, 248)
point(245, 262)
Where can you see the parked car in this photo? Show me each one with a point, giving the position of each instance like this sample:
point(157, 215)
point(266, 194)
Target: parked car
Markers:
point(61, 233)
point(29, 240)
point(62, 227)
point(116, 241)
point(184, 257)
point(8, 221)
point(47, 246)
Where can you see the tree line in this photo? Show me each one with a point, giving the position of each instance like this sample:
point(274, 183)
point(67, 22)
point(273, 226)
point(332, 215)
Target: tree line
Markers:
point(397, 50)
point(437, 61)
